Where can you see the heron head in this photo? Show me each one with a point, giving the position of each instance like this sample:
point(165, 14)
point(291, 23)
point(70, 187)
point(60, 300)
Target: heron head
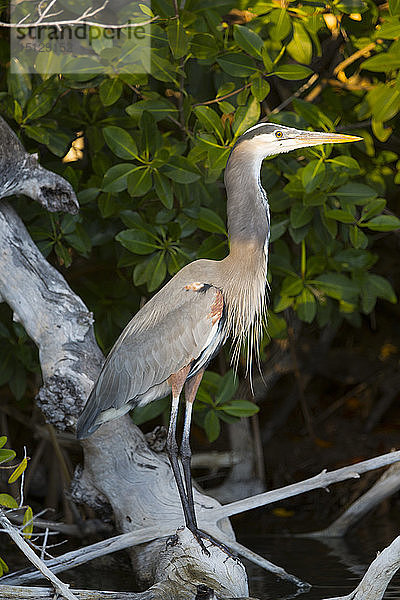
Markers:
point(267, 139)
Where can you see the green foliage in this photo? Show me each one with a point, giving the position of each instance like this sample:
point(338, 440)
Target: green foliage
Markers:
point(216, 402)
point(9, 502)
point(156, 144)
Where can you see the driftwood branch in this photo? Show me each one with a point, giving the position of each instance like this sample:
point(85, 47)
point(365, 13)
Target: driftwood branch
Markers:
point(207, 519)
point(387, 485)
point(75, 558)
point(378, 575)
point(321, 481)
point(12, 592)
point(61, 588)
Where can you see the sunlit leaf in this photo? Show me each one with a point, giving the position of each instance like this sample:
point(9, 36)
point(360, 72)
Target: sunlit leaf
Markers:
point(300, 46)
point(246, 116)
point(292, 72)
point(210, 120)
point(8, 501)
point(260, 88)
point(6, 455)
point(120, 142)
point(248, 40)
point(280, 24)
point(28, 523)
point(18, 471)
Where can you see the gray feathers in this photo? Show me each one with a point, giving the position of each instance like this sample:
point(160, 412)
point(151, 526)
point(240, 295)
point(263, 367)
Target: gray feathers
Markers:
point(170, 332)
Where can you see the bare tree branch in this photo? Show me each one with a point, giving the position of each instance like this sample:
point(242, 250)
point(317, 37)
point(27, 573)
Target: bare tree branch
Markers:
point(83, 19)
point(378, 575)
point(60, 587)
point(322, 481)
point(387, 485)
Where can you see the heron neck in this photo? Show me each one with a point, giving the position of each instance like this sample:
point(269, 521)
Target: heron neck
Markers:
point(247, 204)
point(245, 268)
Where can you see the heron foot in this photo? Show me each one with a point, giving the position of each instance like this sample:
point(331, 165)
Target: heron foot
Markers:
point(201, 535)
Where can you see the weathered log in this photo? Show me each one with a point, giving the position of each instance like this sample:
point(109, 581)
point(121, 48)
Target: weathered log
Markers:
point(20, 173)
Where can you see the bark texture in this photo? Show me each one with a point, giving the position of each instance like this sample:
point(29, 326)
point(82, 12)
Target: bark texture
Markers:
point(20, 173)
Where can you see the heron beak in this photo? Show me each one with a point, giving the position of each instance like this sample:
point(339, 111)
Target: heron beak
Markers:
point(316, 137)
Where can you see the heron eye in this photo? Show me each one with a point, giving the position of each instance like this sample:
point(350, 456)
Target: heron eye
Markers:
point(278, 134)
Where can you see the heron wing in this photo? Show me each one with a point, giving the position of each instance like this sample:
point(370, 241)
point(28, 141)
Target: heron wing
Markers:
point(157, 343)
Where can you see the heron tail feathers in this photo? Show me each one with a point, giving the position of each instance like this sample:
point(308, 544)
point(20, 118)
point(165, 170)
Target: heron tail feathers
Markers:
point(92, 416)
point(88, 420)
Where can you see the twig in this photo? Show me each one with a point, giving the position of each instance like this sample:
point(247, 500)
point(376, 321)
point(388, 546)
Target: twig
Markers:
point(355, 56)
point(43, 552)
point(224, 97)
point(60, 587)
point(120, 542)
point(90, 526)
point(22, 481)
point(350, 86)
point(306, 86)
point(78, 21)
point(46, 10)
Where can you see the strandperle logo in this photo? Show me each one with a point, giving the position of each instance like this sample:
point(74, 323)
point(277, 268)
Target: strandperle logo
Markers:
point(84, 41)
point(80, 32)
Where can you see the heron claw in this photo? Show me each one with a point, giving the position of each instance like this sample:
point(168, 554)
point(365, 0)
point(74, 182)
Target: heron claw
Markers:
point(201, 535)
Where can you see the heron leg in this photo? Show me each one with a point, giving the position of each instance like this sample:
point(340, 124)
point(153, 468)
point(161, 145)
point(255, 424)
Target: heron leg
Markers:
point(172, 451)
point(177, 381)
point(191, 387)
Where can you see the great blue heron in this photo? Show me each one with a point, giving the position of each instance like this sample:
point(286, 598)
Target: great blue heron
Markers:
point(170, 341)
